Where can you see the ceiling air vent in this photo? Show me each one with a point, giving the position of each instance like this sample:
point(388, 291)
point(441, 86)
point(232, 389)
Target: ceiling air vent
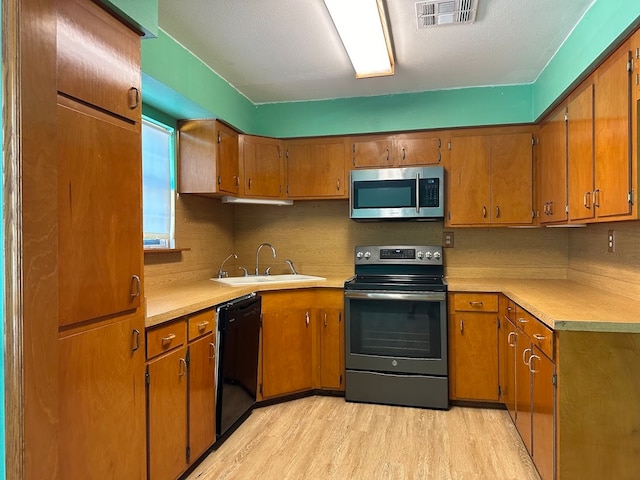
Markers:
point(445, 12)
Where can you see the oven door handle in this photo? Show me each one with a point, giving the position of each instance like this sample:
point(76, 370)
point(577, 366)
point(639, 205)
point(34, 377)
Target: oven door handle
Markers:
point(426, 296)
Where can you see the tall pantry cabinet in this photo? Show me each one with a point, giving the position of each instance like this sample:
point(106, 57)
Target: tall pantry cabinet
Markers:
point(101, 315)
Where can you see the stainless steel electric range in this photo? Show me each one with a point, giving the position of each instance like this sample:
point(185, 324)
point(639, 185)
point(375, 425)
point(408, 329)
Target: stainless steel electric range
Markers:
point(396, 327)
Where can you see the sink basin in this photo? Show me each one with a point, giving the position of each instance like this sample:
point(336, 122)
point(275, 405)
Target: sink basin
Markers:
point(266, 279)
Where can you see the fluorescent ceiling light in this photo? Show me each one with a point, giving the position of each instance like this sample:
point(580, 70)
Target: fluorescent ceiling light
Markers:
point(257, 201)
point(362, 26)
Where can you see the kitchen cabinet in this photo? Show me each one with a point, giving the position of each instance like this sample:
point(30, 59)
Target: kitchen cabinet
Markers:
point(473, 346)
point(167, 400)
point(287, 342)
point(201, 362)
point(101, 380)
point(507, 355)
point(600, 147)
point(99, 241)
point(331, 339)
point(400, 150)
point(315, 168)
point(261, 167)
point(543, 420)
point(208, 155)
point(523, 386)
point(491, 179)
point(552, 168)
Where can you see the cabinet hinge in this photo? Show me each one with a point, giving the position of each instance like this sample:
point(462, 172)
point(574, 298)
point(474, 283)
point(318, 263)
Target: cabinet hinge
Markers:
point(188, 452)
point(566, 116)
point(147, 377)
point(260, 389)
point(554, 379)
point(218, 139)
point(353, 147)
point(499, 391)
point(287, 189)
point(219, 179)
point(630, 197)
point(340, 379)
point(498, 320)
point(449, 215)
point(630, 65)
point(187, 357)
point(638, 53)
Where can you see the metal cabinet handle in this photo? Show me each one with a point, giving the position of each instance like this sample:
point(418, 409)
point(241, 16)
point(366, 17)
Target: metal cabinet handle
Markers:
point(136, 336)
point(338, 184)
point(237, 180)
point(183, 367)
point(497, 211)
point(404, 154)
point(530, 363)
point(539, 336)
point(523, 320)
point(550, 208)
point(306, 316)
point(596, 197)
point(135, 280)
point(168, 338)
point(586, 200)
point(202, 326)
point(476, 304)
point(325, 319)
point(461, 327)
point(134, 98)
point(484, 212)
point(524, 354)
point(249, 184)
point(515, 334)
point(212, 350)
point(387, 154)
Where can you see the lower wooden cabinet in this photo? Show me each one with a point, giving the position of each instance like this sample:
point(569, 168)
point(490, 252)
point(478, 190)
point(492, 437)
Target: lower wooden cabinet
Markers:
point(101, 385)
point(302, 341)
point(473, 345)
point(507, 355)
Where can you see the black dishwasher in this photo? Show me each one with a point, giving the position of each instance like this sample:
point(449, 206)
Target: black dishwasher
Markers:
point(237, 373)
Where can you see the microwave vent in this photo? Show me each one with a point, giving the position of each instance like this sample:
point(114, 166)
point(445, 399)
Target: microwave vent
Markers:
point(445, 12)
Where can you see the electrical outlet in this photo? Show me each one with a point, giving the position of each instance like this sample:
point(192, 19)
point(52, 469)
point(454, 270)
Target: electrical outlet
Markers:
point(611, 241)
point(447, 239)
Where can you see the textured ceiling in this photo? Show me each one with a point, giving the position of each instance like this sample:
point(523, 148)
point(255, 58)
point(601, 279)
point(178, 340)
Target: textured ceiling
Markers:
point(289, 50)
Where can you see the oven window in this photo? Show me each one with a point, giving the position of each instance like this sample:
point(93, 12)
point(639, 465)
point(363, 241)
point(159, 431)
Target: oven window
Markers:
point(409, 329)
point(384, 194)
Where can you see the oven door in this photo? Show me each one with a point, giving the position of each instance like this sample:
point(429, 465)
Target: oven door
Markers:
point(396, 332)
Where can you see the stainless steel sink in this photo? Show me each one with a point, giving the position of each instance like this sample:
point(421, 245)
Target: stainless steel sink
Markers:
point(267, 279)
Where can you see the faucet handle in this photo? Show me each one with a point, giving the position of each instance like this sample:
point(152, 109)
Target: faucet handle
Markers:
point(246, 273)
point(268, 271)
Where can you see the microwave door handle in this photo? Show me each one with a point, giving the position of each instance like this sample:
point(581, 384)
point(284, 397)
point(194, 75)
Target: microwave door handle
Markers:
point(417, 193)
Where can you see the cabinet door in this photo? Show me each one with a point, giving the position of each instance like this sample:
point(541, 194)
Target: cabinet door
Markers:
point(202, 417)
point(417, 150)
point(167, 415)
point(507, 355)
point(580, 154)
point(523, 388)
point(287, 354)
point(475, 362)
point(100, 214)
point(316, 170)
point(543, 418)
point(512, 179)
point(101, 388)
point(331, 349)
point(371, 152)
point(227, 158)
point(552, 184)
point(262, 164)
point(612, 107)
point(470, 180)
point(98, 58)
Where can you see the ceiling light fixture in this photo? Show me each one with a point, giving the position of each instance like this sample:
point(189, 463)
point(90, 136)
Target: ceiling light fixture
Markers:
point(257, 201)
point(362, 26)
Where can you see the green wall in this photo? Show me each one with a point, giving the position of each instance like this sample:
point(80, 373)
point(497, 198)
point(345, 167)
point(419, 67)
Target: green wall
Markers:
point(178, 83)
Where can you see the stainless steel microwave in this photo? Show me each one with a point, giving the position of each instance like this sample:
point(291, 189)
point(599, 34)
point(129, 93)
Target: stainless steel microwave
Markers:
point(412, 193)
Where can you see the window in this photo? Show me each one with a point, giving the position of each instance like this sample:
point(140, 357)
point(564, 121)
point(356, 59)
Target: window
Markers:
point(158, 184)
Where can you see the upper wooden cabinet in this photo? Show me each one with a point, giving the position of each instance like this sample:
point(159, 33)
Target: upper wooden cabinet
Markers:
point(208, 158)
point(261, 166)
point(98, 59)
point(600, 156)
point(491, 179)
point(551, 206)
point(408, 149)
point(315, 168)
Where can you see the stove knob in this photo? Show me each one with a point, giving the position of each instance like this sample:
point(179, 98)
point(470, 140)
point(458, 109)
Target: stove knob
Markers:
point(367, 255)
point(359, 255)
point(436, 255)
point(420, 255)
point(428, 255)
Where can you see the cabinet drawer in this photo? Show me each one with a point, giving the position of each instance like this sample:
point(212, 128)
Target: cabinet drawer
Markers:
point(166, 337)
point(475, 302)
point(540, 334)
point(201, 323)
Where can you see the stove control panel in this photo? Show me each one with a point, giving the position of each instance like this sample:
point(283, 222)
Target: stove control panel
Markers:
point(398, 255)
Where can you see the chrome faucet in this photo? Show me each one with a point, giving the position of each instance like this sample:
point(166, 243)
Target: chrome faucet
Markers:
point(291, 267)
point(221, 272)
point(258, 254)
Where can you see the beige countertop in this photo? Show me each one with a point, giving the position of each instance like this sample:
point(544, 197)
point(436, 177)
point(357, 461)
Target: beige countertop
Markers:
point(175, 301)
point(562, 304)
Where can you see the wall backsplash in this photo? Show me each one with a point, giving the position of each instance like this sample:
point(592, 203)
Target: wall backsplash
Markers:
point(320, 238)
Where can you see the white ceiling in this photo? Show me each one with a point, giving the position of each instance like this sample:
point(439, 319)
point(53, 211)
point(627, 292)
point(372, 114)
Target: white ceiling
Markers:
point(289, 50)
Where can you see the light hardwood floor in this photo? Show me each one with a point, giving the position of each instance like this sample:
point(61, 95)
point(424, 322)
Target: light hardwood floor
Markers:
point(320, 437)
